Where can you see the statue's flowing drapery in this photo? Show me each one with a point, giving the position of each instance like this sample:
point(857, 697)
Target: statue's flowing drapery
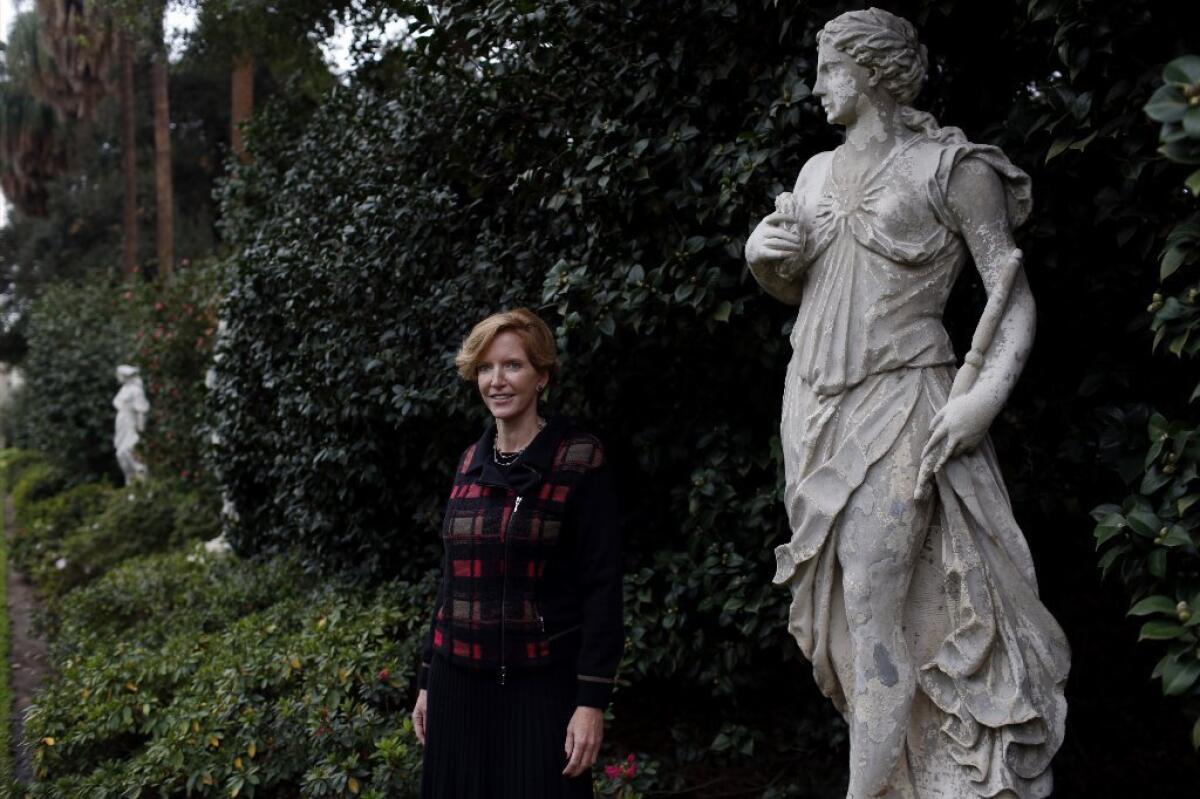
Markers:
point(871, 366)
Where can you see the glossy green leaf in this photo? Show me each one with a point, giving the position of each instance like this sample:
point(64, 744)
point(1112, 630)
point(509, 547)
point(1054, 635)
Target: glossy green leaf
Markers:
point(1153, 604)
point(1156, 563)
point(1185, 69)
point(1191, 122)
point(1166, 105)
point(1158, 630)
point(1178, 679)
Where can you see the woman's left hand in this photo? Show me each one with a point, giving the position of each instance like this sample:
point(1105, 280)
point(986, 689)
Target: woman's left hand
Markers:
point(584, 734)
point(958, 427)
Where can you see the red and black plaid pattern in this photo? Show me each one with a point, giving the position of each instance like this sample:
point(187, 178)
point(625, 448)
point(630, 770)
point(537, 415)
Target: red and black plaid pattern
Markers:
point(496, 553)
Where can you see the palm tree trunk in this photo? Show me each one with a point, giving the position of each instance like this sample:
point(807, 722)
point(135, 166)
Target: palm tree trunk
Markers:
point(162, 150)
point(242, 90)
point(129, 221)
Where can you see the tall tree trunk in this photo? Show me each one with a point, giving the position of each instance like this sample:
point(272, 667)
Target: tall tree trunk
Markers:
point(129, 220)
point(162, 150)
point(242, 90)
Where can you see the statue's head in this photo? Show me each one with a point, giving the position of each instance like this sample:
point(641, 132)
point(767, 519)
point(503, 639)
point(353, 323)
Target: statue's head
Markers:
point(125, 372)
point(884, 45)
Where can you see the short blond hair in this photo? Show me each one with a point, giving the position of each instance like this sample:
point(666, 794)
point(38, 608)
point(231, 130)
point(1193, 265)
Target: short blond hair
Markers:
point(536, 339)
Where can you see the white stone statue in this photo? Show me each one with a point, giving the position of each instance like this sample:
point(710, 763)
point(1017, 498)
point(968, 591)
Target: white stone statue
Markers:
point(132, 407)
point(914, 594)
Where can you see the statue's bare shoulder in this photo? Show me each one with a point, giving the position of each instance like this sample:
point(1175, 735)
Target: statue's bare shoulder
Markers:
point(812, 174)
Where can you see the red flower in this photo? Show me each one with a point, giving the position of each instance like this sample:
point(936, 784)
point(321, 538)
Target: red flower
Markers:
point(384, 674)
point(185, 474)
point(613, 772)
point(158, 306)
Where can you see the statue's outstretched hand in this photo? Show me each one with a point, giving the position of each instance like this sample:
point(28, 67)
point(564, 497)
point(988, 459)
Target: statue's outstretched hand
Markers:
point(771, 241)
point(958, 427)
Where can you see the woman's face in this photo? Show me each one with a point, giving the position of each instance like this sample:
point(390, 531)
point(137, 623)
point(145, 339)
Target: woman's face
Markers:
point(842, 85)
point(508, 382)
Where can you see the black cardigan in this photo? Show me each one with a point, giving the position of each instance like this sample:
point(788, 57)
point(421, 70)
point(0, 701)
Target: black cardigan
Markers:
point(531, 566)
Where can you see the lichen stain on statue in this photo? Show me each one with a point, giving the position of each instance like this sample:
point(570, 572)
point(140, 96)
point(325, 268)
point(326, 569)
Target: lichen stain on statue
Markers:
point(913, 590)
point(132, 407)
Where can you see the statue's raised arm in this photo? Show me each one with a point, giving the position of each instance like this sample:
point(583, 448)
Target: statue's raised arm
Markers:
point(914, 594)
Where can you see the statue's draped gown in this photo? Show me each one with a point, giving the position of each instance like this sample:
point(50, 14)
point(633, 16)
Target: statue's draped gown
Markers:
point(130, 403)
point(871, 366)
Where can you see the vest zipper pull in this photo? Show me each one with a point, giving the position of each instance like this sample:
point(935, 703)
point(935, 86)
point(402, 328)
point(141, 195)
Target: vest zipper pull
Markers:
point(503, 672)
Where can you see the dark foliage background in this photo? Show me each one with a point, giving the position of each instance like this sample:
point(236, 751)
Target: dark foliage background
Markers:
point(603, 162)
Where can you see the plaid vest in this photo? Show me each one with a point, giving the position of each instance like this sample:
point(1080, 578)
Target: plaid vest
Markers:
point(505, 539)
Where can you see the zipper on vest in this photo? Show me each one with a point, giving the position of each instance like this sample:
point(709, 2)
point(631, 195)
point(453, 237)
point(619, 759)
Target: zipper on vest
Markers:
point(504, 590)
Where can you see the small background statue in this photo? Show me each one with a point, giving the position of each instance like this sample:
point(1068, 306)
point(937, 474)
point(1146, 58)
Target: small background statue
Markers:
point(132, 407)
point(913, 591)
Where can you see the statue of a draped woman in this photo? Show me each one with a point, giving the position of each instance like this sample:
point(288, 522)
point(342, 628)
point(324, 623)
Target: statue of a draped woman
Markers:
point(131, 406)
point(914, 593)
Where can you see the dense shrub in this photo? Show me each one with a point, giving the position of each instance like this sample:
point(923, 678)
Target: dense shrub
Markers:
point(174, 339)
point(603, 162)
point(39, 542)
point(136, 520)
point(621, 214)
point(15, 462)
point(37, 482)
point(78, 332)
point(219, 678)
point(68, 539)
point(1151, 539)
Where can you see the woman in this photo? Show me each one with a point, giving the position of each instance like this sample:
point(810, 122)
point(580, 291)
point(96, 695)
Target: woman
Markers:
point(920, 615)
point(527, 627)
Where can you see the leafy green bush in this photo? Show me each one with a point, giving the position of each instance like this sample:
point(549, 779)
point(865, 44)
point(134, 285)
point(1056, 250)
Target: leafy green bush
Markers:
point(70, 538)
point(38, 482)
point(1151, 540)
point(174, 342)
point(218, 678)
point(137, 520)
point(78, 332)
point(15, 462)
point(44, 527)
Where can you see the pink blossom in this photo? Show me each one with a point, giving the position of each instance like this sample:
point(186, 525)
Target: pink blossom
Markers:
point(612, 772)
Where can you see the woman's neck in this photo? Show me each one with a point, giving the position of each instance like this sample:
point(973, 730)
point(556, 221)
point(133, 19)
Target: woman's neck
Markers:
point(515, 434)
point(876, 129)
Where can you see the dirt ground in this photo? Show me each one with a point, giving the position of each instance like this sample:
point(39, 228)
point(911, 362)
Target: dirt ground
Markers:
point(27, 656)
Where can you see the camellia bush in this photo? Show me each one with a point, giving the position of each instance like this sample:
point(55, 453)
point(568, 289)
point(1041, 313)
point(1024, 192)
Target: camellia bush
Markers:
point(603, 164)
point(620, 215)
point(177, 327)
point(1151, 539)
point(77, 333)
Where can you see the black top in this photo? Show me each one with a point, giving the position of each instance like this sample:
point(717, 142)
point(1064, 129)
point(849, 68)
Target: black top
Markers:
point(531, 570)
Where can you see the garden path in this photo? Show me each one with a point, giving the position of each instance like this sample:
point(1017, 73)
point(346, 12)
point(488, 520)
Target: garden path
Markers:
point(27, 656)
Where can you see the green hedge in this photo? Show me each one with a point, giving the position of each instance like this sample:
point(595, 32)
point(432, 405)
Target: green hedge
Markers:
point(183, 675)
point(78, 332)
point(603, 162)
point(67, 539)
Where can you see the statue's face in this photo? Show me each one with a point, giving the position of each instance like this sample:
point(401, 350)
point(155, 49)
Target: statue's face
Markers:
point(842, 85)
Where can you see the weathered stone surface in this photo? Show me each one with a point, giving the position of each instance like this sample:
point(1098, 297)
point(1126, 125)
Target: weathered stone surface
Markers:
point(132, 407)
point(914, 593)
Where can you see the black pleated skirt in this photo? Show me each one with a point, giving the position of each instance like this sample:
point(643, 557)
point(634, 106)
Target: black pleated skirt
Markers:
point(485, 740)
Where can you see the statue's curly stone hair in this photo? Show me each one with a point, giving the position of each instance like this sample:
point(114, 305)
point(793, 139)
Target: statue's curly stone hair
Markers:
point(879, 40)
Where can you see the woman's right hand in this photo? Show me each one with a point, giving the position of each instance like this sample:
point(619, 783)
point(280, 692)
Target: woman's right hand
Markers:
point(419, 714)
point(771, 241)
